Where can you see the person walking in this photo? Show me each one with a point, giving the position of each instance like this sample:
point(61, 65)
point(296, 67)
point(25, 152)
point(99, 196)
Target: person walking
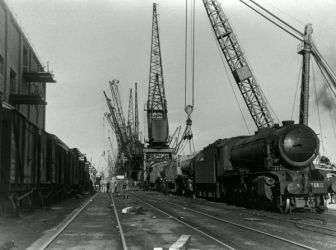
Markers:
point(108, 187)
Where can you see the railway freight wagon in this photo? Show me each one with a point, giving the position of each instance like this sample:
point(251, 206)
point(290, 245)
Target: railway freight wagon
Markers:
point(36, 168)
point(271, 169)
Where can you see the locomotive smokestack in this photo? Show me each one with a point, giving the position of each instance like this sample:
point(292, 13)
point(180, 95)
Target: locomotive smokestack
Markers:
point(287, 123)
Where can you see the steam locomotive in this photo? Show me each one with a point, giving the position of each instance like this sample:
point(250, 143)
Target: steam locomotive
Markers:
point(271, 169)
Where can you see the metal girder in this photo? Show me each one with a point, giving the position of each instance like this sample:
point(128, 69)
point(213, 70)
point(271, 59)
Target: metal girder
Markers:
point(238, 65)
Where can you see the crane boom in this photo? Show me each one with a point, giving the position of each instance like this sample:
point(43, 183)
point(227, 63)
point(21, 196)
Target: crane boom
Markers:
point(130, 118)
point(306, 48)
point(118, 107)
point(247, 84)
point(136, 113)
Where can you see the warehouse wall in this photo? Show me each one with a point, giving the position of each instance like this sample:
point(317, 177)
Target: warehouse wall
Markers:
point(16, 57)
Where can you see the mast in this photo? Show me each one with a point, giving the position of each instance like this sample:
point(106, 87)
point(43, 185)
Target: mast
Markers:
point(305, 52)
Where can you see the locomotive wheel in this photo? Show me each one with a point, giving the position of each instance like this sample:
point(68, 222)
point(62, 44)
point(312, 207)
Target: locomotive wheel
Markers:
point(321, 208)
point(283, 205)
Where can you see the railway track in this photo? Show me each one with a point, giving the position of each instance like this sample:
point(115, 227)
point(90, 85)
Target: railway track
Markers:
point(298, 221)
point(46, 244)
point(189, 225)
point(122, 235)
point(315, 228)
point(75, 230)
point(240, 226)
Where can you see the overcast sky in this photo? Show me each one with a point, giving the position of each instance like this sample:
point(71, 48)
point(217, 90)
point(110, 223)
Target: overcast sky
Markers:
point(89, 42)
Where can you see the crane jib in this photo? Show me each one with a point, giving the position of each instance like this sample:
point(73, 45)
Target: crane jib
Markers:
point(242, 73)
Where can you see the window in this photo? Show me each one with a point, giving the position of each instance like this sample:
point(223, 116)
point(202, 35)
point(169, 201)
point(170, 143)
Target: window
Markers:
point(25, 59)
point(2, 65)
point(12, 81)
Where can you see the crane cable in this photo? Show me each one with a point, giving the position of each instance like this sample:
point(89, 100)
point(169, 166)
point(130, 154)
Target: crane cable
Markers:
point(276, 24)
point(187, 134)
point(192, 40)
point(296, 90)
point(318, 110)
point(230, 82)
point(277, 18)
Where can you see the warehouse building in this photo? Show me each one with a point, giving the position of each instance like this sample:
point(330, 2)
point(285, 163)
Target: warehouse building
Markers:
point(22, 76)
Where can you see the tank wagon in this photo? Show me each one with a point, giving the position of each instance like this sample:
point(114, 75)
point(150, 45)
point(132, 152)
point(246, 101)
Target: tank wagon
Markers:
point(271, 169)
point(36, 168)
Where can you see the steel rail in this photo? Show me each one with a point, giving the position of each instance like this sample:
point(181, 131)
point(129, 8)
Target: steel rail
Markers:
point(314, 228)
point(242, 226)
point(122, 236)
point(48, 243)
point(186, 224)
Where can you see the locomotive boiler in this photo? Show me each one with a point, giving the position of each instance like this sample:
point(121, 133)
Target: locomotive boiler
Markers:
point(272, 168)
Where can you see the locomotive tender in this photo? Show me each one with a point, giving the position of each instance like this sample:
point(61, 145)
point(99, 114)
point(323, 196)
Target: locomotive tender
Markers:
point(271, 169)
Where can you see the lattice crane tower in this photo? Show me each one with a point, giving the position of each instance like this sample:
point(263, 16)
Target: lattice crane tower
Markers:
point(157, 119)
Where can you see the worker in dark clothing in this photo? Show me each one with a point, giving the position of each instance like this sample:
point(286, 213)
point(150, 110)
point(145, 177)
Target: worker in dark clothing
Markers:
point(108, 187)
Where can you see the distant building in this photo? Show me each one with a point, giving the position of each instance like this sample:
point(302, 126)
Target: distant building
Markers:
point(22, 76)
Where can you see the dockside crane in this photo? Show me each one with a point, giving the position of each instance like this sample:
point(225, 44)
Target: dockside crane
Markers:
point(116, 121)
point(114, 124)
point(116, 101)
point(306, 48)
point(242, 73)
point(130, 118)
point(136, 113)
point(157, 119)
point(157, 150)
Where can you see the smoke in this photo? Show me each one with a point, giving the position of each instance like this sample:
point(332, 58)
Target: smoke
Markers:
point(324, 97)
